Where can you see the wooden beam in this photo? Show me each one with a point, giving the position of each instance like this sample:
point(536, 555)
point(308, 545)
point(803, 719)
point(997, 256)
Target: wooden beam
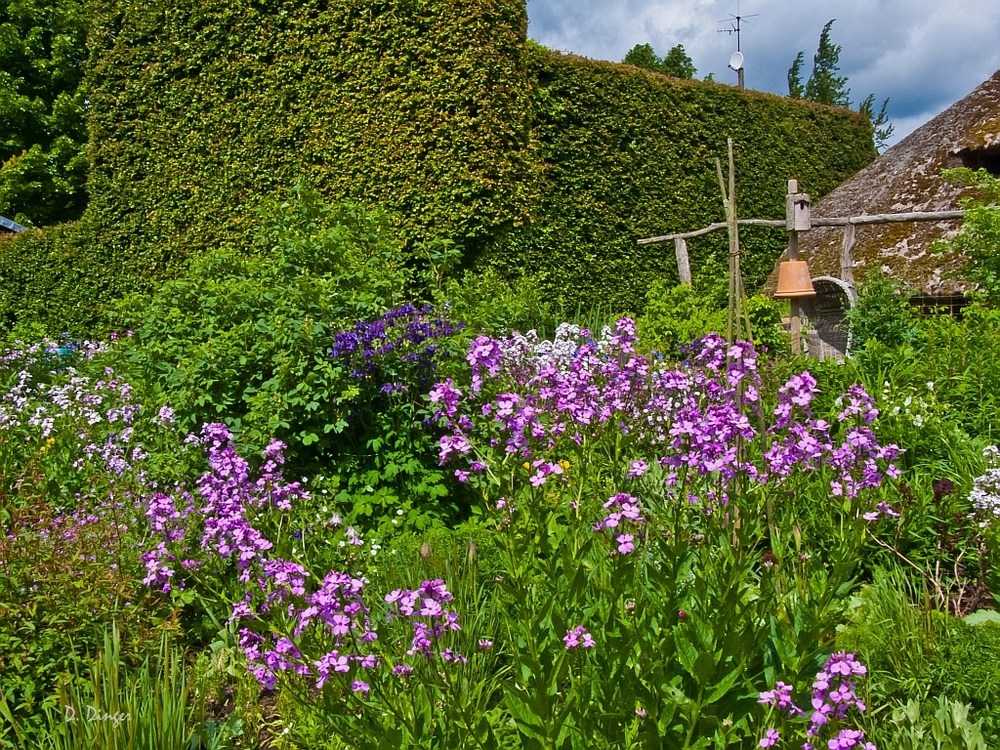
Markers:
point(890, 218)
point(833, 222)
point(711, 228)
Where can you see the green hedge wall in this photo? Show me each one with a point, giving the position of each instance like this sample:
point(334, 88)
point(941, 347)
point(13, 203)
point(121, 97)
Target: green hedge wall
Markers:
point(203, 111)
point(626, 153)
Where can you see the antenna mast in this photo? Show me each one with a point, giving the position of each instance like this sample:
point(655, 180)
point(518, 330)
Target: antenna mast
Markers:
point(736, 28)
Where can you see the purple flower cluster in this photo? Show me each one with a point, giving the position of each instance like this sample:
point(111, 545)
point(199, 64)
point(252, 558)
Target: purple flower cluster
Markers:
point(424, 607)
point(407, 334)
point(578, 637)
point(625, 518)
point(336, 614)
point(833, 696)
point(229, 498)
point(336, 609)
point(218, 519)
point(531, 399)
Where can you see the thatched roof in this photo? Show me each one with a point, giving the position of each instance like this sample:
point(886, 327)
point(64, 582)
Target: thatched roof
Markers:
point(907, 177)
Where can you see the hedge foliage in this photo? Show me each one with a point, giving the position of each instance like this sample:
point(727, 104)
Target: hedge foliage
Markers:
point(202, 110)
point(627, 153)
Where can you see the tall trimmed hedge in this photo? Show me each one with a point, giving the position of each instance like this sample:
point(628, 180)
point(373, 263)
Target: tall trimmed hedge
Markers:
point(202, 111)
point(626, 154)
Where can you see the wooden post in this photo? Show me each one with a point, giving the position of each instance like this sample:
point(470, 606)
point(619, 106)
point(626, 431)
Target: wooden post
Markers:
point(738, 323)
point(683, 264)
point(795, 310)
point(847, 256)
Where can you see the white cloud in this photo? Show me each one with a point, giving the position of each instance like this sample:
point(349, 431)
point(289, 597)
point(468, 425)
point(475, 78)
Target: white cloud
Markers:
point(922, 54)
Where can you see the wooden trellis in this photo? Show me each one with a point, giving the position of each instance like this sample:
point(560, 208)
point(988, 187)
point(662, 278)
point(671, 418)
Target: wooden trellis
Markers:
point(797, 219)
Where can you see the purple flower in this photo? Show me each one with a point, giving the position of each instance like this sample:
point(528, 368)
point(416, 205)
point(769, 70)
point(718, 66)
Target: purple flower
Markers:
point(359, 686)
point(625, 543)
point(165, 416)
point(578, 637)
point(770, 738)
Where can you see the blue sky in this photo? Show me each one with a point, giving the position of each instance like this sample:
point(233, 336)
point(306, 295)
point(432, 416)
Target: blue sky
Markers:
point(923, 54)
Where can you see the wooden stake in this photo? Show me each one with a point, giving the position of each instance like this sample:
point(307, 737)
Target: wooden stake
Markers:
point(847, 256)
point(737, 314)
point(683, 264)
point(795, 309)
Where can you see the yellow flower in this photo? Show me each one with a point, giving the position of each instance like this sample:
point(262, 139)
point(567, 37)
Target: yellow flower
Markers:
point(564, 463)
point(526, 466)
point(48, 444)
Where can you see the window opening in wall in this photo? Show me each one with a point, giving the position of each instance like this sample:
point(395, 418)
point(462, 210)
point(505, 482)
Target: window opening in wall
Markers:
point(978, 158)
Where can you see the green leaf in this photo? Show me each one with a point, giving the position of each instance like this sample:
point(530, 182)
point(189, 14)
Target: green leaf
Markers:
point(526, 720)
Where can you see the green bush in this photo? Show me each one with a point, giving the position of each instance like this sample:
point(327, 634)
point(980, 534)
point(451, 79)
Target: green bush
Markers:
point(958, 359)
point(979, 237)
point(914, 727)
point(765, 324)
point(676, 316)
point(883, 314)
point(914, 652)
point(487, 303)
point(308, 342)
point(246, 339)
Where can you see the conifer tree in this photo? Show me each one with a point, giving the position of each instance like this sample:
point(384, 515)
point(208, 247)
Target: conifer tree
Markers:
point(795, 88)
point(824, 85)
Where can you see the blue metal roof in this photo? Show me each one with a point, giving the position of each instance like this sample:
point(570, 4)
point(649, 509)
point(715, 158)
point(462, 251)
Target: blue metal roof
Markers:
point(11, 225)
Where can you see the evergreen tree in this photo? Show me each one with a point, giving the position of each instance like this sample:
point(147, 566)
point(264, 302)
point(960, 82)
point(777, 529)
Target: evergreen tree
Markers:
point(795, 88)
point(43, 166)
point(881, 126)
point(677, 63)
point(824, 85)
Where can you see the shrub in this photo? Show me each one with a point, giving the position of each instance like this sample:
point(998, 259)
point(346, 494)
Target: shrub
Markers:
point(882, 313)
point(915, 652)
point(979, 236)
point(248, 338)
point(676, 316)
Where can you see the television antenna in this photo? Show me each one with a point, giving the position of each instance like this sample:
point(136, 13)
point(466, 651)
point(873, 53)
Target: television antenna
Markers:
point(735, 27)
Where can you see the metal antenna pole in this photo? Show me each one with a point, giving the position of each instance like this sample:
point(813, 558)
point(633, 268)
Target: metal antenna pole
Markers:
point(737, 28)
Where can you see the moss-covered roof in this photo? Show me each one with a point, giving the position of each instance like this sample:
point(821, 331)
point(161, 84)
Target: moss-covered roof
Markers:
point(907, 177)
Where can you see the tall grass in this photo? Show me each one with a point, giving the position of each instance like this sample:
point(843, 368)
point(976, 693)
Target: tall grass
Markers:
point(117, 708)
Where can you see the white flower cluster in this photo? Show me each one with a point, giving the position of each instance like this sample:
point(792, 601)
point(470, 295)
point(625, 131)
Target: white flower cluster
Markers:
point(522, 349)
point(985, 495)
point(915, 408)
